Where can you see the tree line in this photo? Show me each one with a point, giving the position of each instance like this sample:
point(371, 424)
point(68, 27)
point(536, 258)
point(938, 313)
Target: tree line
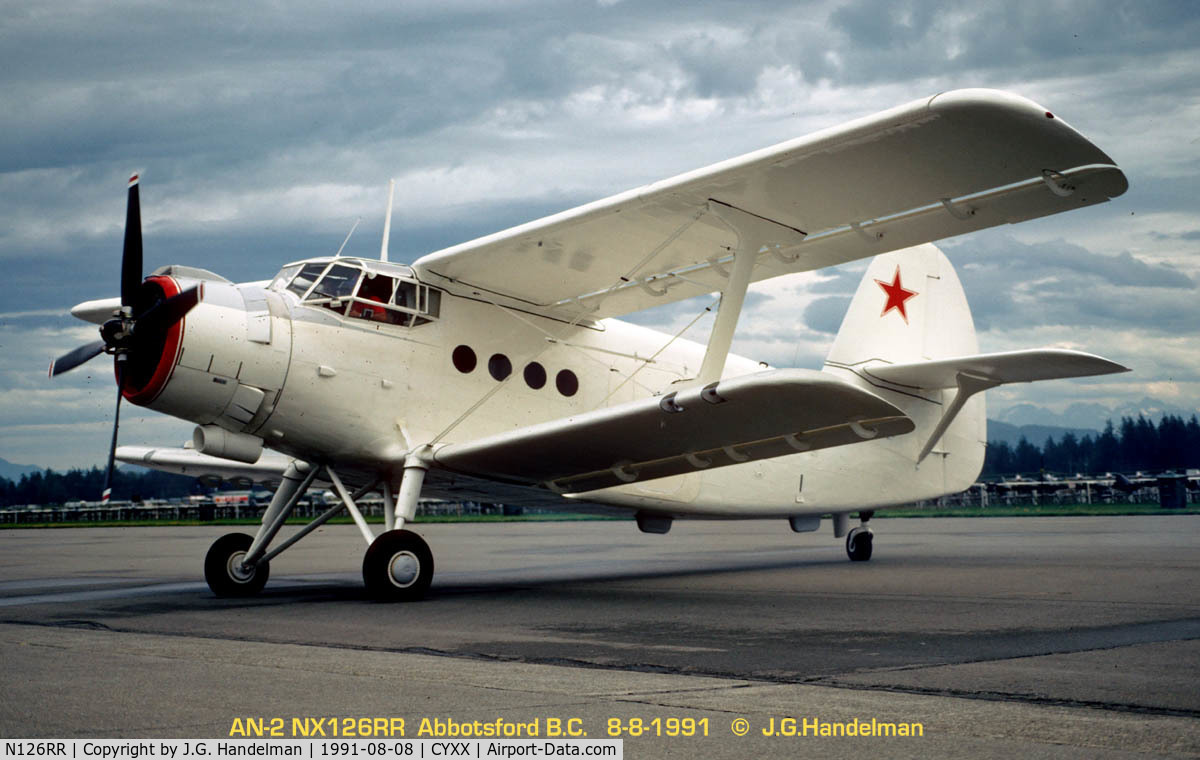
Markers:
point(1172, 444)
point(50, 487)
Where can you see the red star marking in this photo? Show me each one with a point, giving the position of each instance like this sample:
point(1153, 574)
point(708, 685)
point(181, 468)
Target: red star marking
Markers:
point(897, 294)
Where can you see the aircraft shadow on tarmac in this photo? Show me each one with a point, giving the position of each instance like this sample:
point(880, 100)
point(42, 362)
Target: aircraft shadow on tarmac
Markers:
point(559, 575)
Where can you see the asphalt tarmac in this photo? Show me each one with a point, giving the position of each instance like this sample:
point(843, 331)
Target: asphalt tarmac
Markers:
point(1002, 637)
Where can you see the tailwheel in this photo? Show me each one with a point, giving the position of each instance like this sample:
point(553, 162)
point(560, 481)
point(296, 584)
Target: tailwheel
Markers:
point(858, 544)
point(398, 567)
point(224, 571)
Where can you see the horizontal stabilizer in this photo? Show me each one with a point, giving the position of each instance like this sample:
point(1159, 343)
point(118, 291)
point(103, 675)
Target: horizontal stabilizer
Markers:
point(997, 369)
point(767, 414)
point(973, 374)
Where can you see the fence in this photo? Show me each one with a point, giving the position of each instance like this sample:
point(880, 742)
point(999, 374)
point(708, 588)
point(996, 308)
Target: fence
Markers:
point(980, 496)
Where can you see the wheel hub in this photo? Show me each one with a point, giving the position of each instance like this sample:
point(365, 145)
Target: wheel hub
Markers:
point(237, 570)
point(403, 569)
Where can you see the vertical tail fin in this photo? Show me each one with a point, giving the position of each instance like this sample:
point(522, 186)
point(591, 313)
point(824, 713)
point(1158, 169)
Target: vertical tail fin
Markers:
point(910, 307)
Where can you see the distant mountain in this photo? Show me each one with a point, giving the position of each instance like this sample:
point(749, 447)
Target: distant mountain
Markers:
point(1003, 432)
point(15, 471)
point(1089, 416)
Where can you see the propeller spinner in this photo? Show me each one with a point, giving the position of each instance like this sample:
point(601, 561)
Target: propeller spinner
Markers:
point(144, 314)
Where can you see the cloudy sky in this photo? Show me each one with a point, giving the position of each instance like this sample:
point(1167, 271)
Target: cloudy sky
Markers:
point(263, 130)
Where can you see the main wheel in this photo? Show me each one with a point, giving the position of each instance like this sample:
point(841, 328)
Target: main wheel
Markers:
point(398, 567)
point(223, 567)
point(858, 544)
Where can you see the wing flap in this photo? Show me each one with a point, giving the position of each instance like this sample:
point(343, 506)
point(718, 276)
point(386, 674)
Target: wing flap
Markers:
point(984, 152)
point(758, 416)
point(1026, 366)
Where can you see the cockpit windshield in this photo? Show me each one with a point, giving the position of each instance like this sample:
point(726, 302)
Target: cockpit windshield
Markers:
point(338, 282)
point(357, 289)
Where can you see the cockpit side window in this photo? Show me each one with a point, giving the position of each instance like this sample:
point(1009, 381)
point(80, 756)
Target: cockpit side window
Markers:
point(406, 295)
point(433, 302)
point(374, 298)
point(308, 275)
point(394, 300)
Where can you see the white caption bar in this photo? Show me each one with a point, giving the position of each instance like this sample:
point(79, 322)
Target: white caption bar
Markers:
point(404, 749)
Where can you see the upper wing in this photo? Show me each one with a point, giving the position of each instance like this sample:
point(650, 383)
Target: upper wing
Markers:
point(757, 416)
point(946, 165)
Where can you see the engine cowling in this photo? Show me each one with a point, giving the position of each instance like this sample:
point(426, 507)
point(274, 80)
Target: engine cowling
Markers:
point(224, 364)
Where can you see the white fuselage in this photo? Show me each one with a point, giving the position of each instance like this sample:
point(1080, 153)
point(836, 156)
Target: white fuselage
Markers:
point(336, 388)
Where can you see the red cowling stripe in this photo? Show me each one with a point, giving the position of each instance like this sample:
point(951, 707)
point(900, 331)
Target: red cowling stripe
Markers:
point(170, 353)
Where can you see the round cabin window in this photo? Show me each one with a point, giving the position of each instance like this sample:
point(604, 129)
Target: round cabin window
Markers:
point(535, 375)
point(567, 383)
point(464, 359)
point(499, 366)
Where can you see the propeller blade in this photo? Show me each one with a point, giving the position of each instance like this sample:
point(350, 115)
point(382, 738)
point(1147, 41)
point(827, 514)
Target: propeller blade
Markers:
point(73, 359)
point(131, 257)
point(166, 313)
point(112, 450)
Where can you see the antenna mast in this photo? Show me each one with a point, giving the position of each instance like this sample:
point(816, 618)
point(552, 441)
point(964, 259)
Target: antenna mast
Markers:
point(347, 240)
point(387, 221)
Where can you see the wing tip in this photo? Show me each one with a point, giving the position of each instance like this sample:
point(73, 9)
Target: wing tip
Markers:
point(976, 99)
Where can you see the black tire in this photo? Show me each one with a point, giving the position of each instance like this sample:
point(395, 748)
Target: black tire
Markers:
point(858, 545)
point(222, 567)
point(398, 567)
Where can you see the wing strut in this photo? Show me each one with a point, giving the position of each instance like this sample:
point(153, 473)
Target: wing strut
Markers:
point(753, 232)
point(968, 386)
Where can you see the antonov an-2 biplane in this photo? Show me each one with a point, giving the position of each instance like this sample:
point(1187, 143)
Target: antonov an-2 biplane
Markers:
point(496, 370)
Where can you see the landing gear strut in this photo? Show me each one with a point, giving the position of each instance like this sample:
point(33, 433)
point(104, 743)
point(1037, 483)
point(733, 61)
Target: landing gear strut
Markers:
point(398, 565)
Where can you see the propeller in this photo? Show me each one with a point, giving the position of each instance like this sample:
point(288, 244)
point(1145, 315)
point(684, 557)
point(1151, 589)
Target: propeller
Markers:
point(137, 318)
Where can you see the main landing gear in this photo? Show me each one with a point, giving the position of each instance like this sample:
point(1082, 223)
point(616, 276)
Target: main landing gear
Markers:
point(226, 571)
point(858, 544)
point(859, 540)
point(398, 565)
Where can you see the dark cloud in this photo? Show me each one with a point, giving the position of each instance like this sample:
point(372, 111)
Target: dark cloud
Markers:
point(825, 314)
point(716, 68)
point(842, 280)
point(994, 249)
point(1188, 235)
point(883, 42)
point(1010, 283)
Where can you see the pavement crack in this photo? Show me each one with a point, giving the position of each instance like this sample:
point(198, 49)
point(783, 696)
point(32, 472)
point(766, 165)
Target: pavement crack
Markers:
point(999, 696)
